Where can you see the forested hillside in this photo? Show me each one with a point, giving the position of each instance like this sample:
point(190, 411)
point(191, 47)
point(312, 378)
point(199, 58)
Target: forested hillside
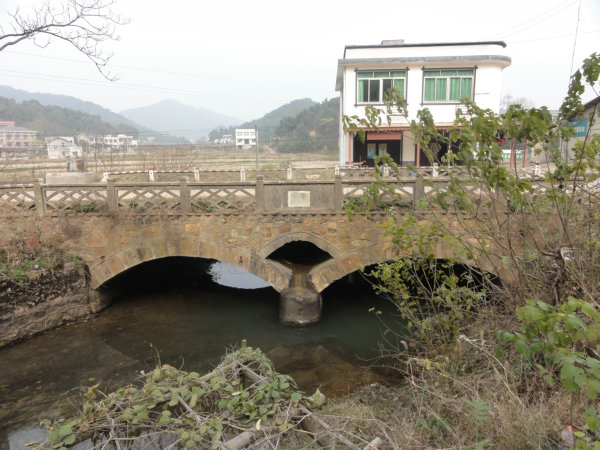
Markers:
point(314, 129)
point(66, 101)
point(57, 121)
point(269, 123)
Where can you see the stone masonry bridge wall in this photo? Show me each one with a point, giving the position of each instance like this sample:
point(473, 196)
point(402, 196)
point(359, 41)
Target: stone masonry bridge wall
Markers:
point(112, 245)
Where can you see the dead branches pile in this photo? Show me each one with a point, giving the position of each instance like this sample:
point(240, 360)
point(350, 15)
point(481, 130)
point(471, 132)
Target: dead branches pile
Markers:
point(243, 402)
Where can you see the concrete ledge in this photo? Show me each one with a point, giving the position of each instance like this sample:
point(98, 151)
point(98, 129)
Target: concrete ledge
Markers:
point(70, 178)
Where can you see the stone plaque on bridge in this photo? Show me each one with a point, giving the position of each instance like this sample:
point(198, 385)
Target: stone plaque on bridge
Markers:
point(298, 199)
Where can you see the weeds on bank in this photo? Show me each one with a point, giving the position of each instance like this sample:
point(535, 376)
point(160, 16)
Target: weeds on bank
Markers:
point(26, 246)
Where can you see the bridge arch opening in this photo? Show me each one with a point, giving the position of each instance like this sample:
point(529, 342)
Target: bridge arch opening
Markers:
point(177, 272)
point(299, 253)
point(474, 277)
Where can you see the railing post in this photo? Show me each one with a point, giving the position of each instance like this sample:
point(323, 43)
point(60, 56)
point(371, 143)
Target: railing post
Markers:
point(196, 175)
point(338, 193)
point(289, 174)
point(39, 196)
point(259, 193)
point(242, 174)
point(184, 195)
point(111, 195)
point(418, 190)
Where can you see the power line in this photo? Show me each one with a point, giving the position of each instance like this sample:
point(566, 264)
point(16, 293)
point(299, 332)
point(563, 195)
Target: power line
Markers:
point(575, 40)
point(167, 72)
point(136, 87)
point(538, 18)
point(551, 38)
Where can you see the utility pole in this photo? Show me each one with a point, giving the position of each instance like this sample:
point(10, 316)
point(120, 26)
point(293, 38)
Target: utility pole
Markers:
point(256, 143)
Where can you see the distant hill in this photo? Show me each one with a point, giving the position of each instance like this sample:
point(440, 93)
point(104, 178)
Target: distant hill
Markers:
point(177, 119)
point(268, 124)
point(314, 129)
point(66, 101)
point(56, 121)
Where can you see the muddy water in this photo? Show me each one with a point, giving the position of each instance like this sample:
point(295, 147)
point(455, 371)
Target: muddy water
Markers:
point(188, 326)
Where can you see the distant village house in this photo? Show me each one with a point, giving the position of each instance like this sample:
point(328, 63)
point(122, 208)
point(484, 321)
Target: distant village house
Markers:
point(245, 138)
point(119, 142)
point(15, 138)
point(62, 147)
point(225, 139)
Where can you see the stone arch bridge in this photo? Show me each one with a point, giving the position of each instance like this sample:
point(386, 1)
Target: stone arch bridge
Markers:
point(116, 226)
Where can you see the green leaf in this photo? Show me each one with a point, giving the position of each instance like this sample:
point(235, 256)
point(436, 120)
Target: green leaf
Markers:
point(589, 310)
point(193, 400)
point(164, 420)
point(593, 423)
point(69, 440)
point(296, 397)
point(522, 348)
point(593, 387)
point(530, 313)
point(64, 430)
point(53, 436)
point(572, 376)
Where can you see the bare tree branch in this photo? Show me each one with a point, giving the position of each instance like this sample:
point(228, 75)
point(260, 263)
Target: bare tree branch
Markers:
point(84, 24)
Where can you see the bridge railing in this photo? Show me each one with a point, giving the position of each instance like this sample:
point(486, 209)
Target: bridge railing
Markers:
point(185, 197)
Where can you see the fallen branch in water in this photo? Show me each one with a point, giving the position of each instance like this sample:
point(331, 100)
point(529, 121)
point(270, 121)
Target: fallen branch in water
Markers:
point(242, 401)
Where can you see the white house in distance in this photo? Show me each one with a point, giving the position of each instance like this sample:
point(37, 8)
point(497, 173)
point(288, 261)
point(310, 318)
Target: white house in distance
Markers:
point(245, 138)
point(431, 75)
point(120, 141)
point(62, 147)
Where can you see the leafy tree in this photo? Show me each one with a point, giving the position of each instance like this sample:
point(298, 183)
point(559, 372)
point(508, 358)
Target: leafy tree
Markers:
point(541, 233)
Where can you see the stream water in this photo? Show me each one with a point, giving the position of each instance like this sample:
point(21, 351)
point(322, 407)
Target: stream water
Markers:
point(188, 324)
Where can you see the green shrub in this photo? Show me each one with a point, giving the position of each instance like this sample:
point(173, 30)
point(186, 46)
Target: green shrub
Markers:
point(84, 207)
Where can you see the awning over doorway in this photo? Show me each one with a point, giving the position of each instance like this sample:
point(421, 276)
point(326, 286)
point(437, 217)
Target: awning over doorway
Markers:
point(384, 136)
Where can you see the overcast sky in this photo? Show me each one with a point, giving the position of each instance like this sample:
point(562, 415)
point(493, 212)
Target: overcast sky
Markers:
point(246, 58)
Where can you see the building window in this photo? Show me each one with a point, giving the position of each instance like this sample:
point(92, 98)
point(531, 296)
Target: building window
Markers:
point(373, 85)
point(447, 85)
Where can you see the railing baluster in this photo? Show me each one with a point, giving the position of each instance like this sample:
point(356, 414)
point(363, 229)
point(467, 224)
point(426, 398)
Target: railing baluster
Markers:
point(184, 195)
point(111, 195)
point(338, 193)
point(39, 196)
point(260, 193)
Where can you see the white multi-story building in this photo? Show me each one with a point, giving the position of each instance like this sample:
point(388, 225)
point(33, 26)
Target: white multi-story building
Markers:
point(15, 138)
point(62, 147)
point(436, 76)
point(120, 141)
point(245, 138)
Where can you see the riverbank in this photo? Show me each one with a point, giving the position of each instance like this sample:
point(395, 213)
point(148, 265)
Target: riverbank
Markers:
point(44, 299)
